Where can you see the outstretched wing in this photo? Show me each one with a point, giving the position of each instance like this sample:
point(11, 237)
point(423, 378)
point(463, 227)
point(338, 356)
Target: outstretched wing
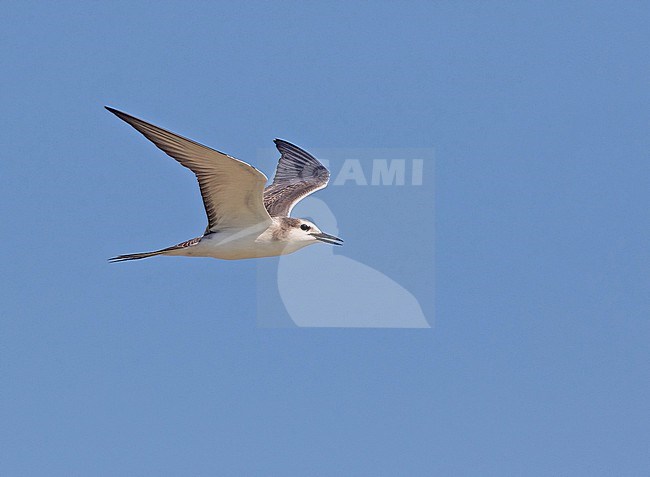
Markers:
point(298, 174)
point(232, 190)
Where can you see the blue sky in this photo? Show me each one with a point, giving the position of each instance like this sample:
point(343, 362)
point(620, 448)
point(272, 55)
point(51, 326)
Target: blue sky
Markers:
point(538, 360)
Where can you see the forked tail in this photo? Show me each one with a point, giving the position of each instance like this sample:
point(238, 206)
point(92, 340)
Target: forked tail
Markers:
point(138, 256)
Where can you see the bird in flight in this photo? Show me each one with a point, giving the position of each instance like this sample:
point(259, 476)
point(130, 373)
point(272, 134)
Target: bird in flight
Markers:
point(245, 218)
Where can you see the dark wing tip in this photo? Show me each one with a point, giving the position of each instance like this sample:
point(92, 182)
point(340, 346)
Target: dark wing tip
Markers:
point(285, 146)
point(294, 152)
point(277, 140)
point(120, 114)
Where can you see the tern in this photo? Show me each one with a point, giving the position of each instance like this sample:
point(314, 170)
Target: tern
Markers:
point(245, 218)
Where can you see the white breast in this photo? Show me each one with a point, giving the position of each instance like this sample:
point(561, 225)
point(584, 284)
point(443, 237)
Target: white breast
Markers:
point(237, 245)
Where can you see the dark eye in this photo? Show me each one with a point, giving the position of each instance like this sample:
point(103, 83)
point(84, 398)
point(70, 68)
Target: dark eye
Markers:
point(305, 227)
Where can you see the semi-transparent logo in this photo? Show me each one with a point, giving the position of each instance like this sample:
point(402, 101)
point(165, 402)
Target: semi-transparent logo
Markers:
point(381, 203)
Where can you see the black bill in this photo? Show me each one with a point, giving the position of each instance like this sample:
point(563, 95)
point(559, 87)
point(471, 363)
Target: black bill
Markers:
point(327, 238)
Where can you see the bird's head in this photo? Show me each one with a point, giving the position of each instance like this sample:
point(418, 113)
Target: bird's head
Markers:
point(302, 230)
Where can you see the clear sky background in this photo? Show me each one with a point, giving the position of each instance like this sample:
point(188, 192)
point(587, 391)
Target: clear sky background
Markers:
point(538, 360)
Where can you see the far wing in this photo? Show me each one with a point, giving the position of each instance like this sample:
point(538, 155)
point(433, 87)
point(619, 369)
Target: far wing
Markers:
point(298, 174)
point(232, 190)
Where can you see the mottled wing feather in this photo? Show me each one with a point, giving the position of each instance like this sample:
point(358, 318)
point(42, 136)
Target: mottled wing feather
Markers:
point(187, 243)
point(298, 174)
point(232, 190)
